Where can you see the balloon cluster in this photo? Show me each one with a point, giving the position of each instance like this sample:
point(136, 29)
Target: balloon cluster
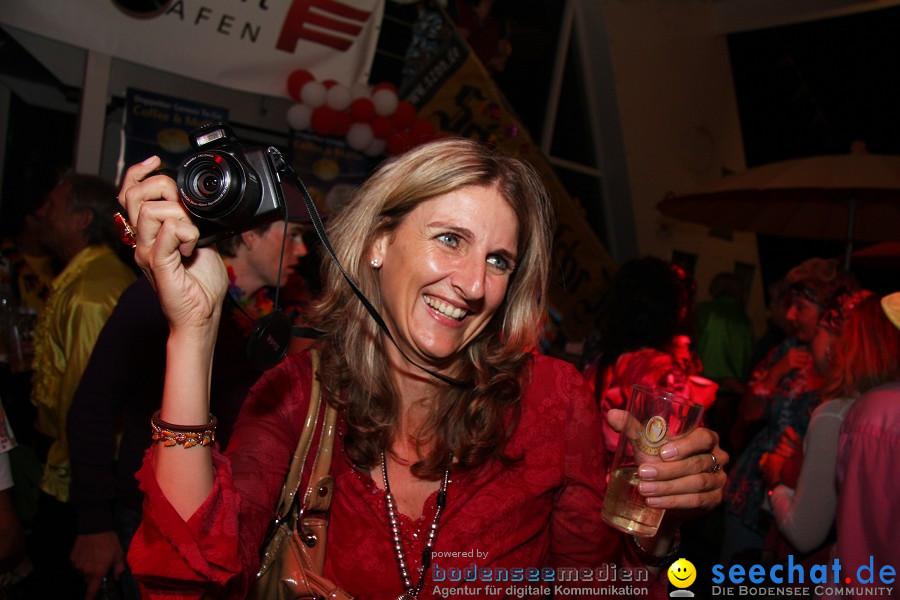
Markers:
point(374, 121)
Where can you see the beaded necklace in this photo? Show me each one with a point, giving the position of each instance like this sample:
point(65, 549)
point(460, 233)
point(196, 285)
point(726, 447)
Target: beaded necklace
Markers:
point(412, 593)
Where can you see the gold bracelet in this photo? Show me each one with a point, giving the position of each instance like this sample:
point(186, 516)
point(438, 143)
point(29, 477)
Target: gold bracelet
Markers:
point(185, 435)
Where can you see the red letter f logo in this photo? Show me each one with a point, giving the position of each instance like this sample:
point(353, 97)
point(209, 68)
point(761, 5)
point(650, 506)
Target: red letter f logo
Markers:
point(312, 20)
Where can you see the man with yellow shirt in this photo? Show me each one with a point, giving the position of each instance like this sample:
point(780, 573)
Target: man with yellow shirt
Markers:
point(78, 229)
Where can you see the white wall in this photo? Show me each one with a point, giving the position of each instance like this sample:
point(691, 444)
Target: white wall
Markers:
point(680, 127)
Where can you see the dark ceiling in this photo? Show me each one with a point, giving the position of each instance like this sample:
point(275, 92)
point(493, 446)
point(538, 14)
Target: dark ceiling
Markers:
point(814, 88)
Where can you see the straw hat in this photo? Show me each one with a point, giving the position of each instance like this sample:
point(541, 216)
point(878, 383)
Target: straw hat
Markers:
point(891, 306)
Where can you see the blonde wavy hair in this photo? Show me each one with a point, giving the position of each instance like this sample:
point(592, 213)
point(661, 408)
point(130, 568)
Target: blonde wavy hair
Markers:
point(473, 422)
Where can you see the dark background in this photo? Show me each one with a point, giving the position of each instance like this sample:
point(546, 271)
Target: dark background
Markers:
point(811, 89)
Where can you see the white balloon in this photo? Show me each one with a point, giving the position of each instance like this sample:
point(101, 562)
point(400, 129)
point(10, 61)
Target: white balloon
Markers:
point(313, 94)
point(360, 136)
point(338, 97)
point(359, 90)
point(298, 116)
point(385, 101)
point(376, 147)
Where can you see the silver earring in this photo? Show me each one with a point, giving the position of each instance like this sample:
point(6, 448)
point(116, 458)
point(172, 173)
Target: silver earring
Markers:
point(375, 263)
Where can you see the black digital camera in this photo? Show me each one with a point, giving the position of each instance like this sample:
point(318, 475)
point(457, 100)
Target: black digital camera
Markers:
point(227, 187)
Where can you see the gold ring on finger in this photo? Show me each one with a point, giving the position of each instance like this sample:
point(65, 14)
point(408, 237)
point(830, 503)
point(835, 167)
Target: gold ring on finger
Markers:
point(127, 232)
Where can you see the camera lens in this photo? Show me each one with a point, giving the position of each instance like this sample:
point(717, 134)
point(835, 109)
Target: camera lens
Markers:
point(211, 183)
point(218, 185)
point(207, 183)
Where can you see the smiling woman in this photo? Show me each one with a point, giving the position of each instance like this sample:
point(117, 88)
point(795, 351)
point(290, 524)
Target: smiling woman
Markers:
point(451, 271)
point(451, 243)
point(452, 226)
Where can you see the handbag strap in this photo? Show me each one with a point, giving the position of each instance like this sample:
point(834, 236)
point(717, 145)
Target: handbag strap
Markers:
point(295, 471)
point(321, 485)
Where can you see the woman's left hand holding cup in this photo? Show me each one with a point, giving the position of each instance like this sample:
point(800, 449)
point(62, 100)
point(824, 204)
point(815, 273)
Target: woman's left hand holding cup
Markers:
point(687, 478)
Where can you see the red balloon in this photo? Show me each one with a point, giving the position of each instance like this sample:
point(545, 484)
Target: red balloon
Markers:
point(404, 116)
point(323, 120)
point(398, 143)
point(385, 85)
point(329, 83)
point(381, 127)
point(342, 123)
point(296, 81)
point(421, 131)
point(362, 110)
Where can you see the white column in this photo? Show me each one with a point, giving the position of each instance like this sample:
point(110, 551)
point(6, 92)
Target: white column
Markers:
point(92, 116)
point(600, 84)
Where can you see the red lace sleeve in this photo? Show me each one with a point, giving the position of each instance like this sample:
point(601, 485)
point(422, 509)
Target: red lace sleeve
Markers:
point(579, 535)
point(186, 559)
point(216, 552)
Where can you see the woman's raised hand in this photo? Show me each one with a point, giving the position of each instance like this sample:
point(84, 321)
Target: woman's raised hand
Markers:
point(687, 477)
point(189, 281)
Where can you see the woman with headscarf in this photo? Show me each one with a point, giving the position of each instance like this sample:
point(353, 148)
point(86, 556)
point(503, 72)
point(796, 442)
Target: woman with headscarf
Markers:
point(783, 390)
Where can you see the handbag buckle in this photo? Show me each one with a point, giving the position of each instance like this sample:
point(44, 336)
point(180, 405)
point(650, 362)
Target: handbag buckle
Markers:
point(307, 537)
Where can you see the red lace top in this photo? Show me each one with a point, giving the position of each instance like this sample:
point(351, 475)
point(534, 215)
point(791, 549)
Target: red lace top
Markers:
point(544, 511)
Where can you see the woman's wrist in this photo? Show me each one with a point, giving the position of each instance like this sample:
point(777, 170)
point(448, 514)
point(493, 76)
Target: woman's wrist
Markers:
point(204, 333)
point(189, 358)
point(658, 551)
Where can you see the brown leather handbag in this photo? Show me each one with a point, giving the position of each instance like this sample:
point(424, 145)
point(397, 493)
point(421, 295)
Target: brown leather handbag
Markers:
point(293, 555)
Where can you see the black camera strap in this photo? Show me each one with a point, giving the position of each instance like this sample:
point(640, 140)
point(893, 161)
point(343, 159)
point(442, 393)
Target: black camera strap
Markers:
point(283, 169)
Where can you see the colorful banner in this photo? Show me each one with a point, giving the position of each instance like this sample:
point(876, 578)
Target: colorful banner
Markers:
point(456, 93)
point(249, 45)
point(329, 168)
point(158, 124)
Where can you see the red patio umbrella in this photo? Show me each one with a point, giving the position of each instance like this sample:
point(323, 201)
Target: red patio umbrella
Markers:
point(883, 255)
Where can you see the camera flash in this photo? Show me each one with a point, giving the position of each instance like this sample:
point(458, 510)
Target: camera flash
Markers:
point(210, 137)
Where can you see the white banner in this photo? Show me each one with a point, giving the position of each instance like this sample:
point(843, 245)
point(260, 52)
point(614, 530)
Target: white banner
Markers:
point(249, 45)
